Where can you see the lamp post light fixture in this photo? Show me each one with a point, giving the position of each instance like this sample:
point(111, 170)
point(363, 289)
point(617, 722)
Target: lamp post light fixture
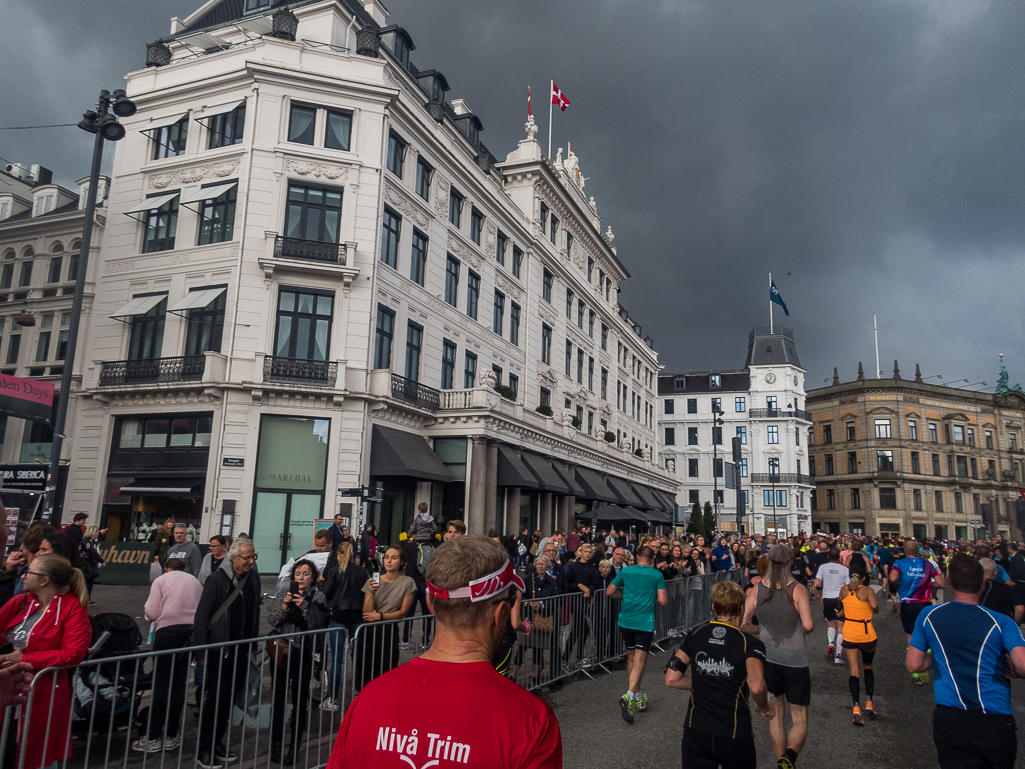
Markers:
point(26, 319)
point(284, 24)
point(106, 127)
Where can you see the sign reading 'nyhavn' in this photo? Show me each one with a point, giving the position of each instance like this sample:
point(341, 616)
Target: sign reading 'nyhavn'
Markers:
point(26, 398)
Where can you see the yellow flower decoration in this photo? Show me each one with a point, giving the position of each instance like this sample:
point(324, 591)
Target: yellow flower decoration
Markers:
point(403, 537)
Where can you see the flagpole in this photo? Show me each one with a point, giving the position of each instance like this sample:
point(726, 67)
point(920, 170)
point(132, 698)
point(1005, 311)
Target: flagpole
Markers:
point(770, 302)
point(551, 90)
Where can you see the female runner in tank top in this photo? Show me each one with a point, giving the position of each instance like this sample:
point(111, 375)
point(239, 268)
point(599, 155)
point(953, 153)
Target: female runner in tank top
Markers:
point(857, 605)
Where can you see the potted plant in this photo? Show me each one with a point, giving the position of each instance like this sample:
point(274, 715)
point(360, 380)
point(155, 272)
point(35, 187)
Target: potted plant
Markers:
point(610, 437)
point(505, 391)
point(638, 453)
point(576, 422)
point(544, 410)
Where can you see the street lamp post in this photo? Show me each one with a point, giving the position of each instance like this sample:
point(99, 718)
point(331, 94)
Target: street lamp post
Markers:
point(716, 424)
point(106, 128)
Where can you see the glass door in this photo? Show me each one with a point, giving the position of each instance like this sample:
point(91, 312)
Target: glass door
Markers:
point(270, 522)
point(303, 510)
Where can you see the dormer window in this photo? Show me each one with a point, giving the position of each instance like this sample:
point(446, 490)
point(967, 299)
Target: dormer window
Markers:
point(434, 83)
point(44, 204)
point(398, 41)
point(470, 127)
point(714, 380)
point(255, 5)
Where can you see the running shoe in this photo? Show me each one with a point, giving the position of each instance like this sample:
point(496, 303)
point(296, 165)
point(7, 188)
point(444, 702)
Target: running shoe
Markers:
point(784, 763)
point(830, 651)
point(870, 709)
point(926, 678)
point(838, 661)
point(858, 720)
point(329, 705)
point(642, 703)
point(146, 745)
point(916, 679)
point(626, 709)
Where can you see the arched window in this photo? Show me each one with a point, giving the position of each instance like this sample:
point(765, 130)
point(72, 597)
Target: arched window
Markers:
point(9, 254)
point(57, 248)
point(28, 252)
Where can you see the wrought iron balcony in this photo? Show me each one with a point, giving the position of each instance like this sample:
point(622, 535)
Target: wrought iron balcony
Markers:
point(186, 368)
point(782, 478)
point(311, 250)
point(779, 414)
point(413, 392)
point(321, 373)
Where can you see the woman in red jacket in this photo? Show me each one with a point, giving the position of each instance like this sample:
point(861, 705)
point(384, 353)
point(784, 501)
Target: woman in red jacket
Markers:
point(48, 626)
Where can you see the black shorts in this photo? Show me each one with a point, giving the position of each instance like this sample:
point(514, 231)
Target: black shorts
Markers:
point(862, 646)
point(792, 683)
point(637, 639)
point(969, 740)
point(829, 608)
point(909, 612)
point(703, 750)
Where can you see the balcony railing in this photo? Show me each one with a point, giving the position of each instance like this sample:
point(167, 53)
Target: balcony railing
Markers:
point(782, 478)
point(187, 368)
point(418, 394)
point(779, 414)
point(311, 250)
point(322, 373)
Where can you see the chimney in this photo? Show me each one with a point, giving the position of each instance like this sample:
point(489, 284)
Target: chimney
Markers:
point(41, 175)
point(376, 10)
point(460, 107)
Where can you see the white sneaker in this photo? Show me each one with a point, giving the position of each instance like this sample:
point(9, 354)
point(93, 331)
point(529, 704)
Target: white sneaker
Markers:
point(331, 706)
point(172, 743)
point(146, 745)
point(404, 646)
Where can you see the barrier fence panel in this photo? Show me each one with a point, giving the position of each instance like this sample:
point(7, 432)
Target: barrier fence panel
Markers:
point(258, 702)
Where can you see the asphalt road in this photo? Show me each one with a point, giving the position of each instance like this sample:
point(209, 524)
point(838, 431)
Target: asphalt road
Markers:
point(594, 734)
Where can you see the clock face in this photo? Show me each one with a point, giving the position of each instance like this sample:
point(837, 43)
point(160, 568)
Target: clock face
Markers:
point(795, 380)
point(770, 378)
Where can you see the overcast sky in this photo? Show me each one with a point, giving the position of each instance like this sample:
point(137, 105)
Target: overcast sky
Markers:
point(869, 154)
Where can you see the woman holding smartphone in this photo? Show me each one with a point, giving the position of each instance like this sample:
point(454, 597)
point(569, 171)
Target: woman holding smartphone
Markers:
point(387, 596)
point(299, 606)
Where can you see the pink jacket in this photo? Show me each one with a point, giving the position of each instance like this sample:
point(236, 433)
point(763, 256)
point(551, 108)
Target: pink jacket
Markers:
point(173, 598)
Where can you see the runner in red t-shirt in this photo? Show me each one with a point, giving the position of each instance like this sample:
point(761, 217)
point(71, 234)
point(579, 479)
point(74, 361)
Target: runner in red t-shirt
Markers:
point(477, 718)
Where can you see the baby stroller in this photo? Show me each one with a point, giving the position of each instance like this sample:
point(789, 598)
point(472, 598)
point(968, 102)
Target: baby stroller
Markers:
point(105, 695)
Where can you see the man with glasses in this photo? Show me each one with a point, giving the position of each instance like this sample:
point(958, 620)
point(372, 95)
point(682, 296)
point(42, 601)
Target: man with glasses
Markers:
point(229, 610)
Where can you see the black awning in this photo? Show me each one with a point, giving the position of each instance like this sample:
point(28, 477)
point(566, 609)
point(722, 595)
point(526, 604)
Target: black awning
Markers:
point(594, 486)
point(397, 452)
point(666, 502)
point(512, 471)
point(608, 513)
point(625, 495)
point(569, 478)
point(162, 486)
point(651, 502)
point(548, 479)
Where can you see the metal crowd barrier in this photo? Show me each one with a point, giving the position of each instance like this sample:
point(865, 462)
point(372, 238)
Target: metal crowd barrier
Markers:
point(248, 699)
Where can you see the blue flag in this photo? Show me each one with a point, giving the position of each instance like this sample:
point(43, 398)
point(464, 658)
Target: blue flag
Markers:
point(775, 297)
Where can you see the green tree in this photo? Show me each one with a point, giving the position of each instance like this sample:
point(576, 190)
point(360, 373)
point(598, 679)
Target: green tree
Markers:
point(696, 526)
point(709, 519)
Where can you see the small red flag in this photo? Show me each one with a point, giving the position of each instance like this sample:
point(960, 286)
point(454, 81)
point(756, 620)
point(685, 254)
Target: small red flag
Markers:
point(558, 97)
point(1021, 493)
point(529, 111)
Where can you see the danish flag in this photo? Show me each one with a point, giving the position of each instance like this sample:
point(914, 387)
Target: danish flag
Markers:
point(529, 111)
point(558, 97)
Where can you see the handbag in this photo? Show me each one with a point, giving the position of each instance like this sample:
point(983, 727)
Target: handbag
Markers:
point(277, 650)
point(543, 624)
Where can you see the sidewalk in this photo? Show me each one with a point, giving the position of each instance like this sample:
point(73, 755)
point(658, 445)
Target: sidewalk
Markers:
point(593, 732)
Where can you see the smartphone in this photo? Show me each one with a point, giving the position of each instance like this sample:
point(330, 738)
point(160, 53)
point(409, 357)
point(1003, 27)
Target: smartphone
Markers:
point(294, 588)
point(377, 577)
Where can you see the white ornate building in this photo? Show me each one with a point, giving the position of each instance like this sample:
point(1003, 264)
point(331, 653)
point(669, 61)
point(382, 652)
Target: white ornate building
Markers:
point(316, 276)
point(763, 404)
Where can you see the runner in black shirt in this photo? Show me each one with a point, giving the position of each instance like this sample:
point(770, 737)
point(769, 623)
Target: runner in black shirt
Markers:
point(729, 665)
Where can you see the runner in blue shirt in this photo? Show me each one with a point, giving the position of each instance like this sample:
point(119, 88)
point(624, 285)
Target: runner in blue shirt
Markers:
point(972, 651)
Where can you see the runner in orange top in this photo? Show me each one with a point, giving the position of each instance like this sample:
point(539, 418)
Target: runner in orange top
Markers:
point(857, 605)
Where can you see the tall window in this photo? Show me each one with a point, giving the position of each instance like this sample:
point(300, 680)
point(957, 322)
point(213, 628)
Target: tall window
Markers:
point(43, 338)
point(740, 405)
point(498, 373)
point(852, 461)
point(742, 468)
point(448, 363)
point(26, 273)
point(580, 366)
point(514, 385)
point(470, 370)
point(742, 434)
point(514, 323)
point(827, 433)
point(692, 405)
point(396, 154)
point(499, 313)
point(670, 439)
point(472, 293)
point(669, 406)
point(590, 373)
point(884, 461)
point(851, 430)
point(604, 337)
point(692, 436)
point(452, 280)
point(385, 332)
point(916, 462)
point(773, 433)
point(147, 333)
point(226, 129)
point(205, 327)
point(62, 336)
point(418, 260)
point(13, 348)
point(774, 467)
point(938, 497)
point(770, 402)
point(544, 217)
point(73, 261)
point(500, 245)
point(936, 464)
point(338, 130)
point(314, 213)
point(882, 428)
point(912, 430)
point(424, 175)
point(414, 340)
point(217, 218)
point(546, 285)
point(827, 464)
point(302, 122)
point(517, 261)
point(391, 224)
point(887, 497)
point(544, 397)
point(553, 231)
point(604, 383)
point(959, 434)
point(934, 436)
point(546, 344)
point(304, 324)
point(455, 206)
point(476, 225)
point(569, 358)
point(569, 303)
point(692, 468)
point(54, 273)
point(169, 141)
point(161, 226)
point(580, 315)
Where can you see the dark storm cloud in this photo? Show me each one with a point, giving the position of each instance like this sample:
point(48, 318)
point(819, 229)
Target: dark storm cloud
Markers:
point(871, 149)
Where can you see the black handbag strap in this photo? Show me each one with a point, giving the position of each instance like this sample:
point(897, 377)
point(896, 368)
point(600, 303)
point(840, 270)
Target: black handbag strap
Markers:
point(230, 600)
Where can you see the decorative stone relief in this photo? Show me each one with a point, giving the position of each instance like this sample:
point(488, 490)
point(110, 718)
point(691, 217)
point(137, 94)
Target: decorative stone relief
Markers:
point(670, 463)
point(486, 378)
point(548, 378)
point(624, 444)
point(507, 285)
point(192, 175)
point(316, 170)
point(114, 268)
point(406, 207)
point(464, 252)
point(547, 315)
point(490, 237)
point(441, 193)
point(578, 257)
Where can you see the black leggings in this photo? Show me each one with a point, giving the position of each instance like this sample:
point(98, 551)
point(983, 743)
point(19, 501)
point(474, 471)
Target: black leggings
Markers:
point(702, 750)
